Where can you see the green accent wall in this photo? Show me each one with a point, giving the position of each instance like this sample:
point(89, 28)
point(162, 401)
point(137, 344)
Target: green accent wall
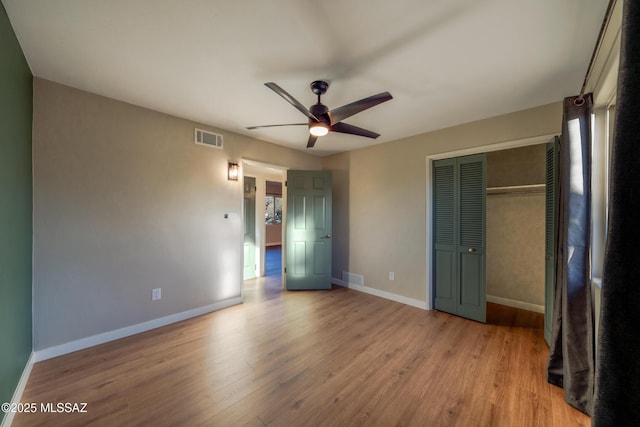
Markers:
point(16, 209)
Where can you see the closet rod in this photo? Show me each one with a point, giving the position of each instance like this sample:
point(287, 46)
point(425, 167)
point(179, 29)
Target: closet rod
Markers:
point(517, 189)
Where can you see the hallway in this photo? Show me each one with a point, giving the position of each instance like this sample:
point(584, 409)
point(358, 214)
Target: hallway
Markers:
point(270, 286)
point(273, 261)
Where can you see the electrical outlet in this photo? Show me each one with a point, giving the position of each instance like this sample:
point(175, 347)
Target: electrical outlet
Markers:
point(392, 275)
point(156, 294)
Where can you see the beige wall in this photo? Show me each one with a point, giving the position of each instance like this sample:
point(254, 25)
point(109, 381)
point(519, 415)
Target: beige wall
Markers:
point(515, 247)
point(124, 202)
point(517, 166)
point(380, 197)
point(273, 234)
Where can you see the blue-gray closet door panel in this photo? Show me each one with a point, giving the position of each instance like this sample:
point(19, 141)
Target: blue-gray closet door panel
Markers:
point(459, 186)
point(445, 245)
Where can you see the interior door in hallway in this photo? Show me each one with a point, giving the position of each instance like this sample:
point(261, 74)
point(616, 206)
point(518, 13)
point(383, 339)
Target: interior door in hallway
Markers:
point(308, 226)
point(249, 271)
point(459, 230)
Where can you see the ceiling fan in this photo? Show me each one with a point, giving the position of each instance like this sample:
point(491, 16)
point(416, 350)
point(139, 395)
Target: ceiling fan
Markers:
point(321, 119)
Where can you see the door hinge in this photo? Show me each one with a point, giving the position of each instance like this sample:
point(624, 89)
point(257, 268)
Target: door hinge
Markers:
point(255, 188)
point(285, 183)
point(285, 269)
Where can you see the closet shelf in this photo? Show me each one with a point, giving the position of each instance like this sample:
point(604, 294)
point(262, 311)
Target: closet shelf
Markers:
point(517, 189)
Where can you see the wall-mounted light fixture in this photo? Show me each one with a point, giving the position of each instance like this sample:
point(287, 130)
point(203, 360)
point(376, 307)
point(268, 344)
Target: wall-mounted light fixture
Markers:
point(233, 172)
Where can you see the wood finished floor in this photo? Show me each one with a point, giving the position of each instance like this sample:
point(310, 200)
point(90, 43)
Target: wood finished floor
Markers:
point(338, 357)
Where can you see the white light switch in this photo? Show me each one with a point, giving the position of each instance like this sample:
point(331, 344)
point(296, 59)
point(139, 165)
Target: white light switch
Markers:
point(156, 294)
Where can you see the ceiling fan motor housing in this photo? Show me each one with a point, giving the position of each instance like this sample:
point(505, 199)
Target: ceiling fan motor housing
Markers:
point(321, 112)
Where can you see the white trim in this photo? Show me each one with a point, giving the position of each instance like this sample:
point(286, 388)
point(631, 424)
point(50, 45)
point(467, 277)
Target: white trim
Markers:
point(505, 145)
point(382, 294)
point(104, 337)
point(17, 394)
point(596, 281)
point(517, 304)
point(464, 152)
point(429, 220)
point(603, 79)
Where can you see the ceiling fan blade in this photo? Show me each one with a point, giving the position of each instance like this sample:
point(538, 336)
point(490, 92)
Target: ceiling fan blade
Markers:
point(353, 130)
point(283, 93)
point(312, 141)
point(341, 113)
point(272, 126)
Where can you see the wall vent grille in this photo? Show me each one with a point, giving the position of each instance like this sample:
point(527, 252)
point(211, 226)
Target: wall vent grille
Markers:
point(210, 139)
point(353, 278)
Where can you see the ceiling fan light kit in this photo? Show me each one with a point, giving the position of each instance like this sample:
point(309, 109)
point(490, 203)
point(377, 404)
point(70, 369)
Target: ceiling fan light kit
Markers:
point(318, 129)
point(322, 120)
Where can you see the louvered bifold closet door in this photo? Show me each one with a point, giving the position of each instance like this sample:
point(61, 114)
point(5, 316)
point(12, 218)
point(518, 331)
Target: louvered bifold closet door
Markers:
point(551, 211)
point(471, 249)
point(459, 204)
point(445, 238)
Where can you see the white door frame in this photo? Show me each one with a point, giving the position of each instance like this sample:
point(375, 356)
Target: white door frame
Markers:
point(457, 153)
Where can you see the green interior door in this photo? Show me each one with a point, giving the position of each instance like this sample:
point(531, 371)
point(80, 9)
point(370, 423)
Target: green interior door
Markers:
point(308, 226)
point(249, 228)
point(459, 236)
point(551, 207)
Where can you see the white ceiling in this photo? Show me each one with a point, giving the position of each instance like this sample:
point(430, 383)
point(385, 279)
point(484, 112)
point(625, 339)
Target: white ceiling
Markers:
point(445, 62)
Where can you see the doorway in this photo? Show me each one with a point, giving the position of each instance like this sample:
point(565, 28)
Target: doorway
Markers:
point(268, 247)
point(273, 228)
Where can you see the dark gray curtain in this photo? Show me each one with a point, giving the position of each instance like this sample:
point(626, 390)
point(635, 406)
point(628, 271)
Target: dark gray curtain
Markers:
point(571, 357)
point(617, 390)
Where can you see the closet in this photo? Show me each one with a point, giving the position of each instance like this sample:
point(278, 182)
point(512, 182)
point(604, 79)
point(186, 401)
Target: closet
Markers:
point(489, 231)
point(515, 262)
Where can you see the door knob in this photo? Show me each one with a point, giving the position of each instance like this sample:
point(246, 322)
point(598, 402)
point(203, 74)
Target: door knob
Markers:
point(328, 236)
point(471, 250)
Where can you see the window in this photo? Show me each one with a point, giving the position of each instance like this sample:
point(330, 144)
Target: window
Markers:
point(273, 209)
point(273, 203)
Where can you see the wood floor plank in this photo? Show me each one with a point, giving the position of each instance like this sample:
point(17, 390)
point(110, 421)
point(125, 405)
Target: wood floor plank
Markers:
point(335, 357)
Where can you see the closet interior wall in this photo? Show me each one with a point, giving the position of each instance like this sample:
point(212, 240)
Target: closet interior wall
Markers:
point(515, 227)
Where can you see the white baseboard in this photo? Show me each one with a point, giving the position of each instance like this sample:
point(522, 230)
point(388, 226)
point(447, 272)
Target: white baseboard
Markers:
point(17, 394)
point(102, 338)
point(516, 304)
point(382, 294)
